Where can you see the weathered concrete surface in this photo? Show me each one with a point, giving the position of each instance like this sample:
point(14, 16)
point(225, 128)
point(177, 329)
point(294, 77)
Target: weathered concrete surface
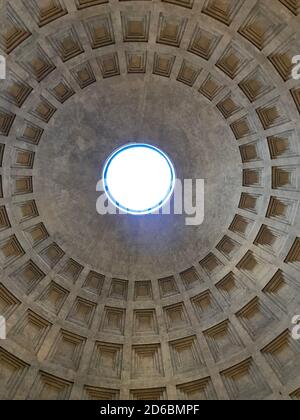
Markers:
point(89, 128)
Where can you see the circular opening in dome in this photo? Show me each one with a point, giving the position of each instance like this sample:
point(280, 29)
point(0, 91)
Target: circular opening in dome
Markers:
point(138, 178)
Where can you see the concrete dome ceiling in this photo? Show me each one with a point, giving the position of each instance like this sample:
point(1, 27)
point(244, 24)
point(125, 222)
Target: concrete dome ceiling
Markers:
point(96, 304)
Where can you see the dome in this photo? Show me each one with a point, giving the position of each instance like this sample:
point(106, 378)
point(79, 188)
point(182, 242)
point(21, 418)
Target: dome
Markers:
point(93, 303)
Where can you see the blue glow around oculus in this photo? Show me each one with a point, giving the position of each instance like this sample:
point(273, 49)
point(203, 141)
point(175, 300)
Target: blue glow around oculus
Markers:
point(138, 178)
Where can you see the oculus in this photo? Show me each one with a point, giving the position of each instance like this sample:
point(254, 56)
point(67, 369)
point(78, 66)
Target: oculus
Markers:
point(138, 178)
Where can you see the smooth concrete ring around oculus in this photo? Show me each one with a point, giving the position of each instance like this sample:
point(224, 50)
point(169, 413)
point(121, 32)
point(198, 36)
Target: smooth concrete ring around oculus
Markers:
point(72, 154)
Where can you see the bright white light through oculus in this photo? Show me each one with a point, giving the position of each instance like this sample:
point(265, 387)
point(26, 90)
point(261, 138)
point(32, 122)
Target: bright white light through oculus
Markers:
point(138, 178)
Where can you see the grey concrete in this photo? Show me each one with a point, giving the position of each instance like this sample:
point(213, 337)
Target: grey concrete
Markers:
point(71, 157)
